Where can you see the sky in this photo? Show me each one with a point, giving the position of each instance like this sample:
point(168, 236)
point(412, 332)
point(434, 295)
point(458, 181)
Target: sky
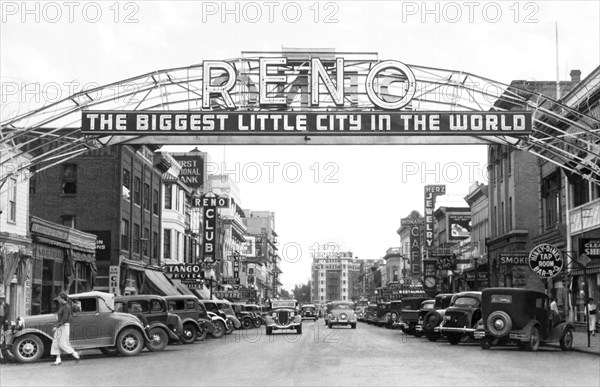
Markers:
point(351, 195)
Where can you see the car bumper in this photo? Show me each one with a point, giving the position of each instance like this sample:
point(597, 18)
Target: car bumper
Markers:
point(463, 330)
point(400, 324)
point(288, 326)
point(342, 322)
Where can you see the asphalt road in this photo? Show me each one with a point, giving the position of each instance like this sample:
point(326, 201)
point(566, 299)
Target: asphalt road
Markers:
point(366, 356)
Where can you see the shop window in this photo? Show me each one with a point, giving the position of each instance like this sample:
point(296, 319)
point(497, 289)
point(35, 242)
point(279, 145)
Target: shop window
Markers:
point(69, 179)
point(12, 201)
point(124, 234)
point(80, 283)
point(136, 190)
point(136, 238)
point(168, 197)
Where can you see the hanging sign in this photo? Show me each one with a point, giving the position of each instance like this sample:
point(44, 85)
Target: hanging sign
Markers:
point(545, 260)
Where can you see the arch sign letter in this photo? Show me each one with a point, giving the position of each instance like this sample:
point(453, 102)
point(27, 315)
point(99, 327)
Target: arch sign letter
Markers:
point(545, 260)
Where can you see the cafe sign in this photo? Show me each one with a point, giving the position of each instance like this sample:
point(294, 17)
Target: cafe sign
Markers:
point(546, 260)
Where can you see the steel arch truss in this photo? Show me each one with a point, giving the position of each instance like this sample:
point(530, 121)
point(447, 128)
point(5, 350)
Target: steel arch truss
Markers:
point(566, 136)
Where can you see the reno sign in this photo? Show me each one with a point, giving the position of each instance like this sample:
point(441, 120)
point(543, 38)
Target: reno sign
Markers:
point(318, 96)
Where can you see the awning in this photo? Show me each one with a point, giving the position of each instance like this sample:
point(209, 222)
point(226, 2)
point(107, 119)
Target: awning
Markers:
point(159, 284)
point(180, 286)
point(203, 294)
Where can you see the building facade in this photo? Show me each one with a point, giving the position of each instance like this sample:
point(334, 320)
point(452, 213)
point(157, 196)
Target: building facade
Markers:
point(335, 277)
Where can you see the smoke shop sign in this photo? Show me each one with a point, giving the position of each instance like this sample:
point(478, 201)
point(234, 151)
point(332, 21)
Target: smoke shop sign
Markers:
point(545, 260)
point(272, 116)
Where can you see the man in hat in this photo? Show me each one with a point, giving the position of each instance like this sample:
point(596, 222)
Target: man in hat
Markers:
point(61, 342)
point(4, 314)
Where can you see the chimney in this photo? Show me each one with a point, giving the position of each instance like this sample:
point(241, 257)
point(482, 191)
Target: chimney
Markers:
point(575, 75)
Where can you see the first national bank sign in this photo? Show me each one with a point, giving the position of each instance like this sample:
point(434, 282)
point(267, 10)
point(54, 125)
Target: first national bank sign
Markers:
point(273, 117)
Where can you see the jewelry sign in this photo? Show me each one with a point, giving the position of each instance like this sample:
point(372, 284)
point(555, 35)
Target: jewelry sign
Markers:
point(431, 192)
point(545, 260)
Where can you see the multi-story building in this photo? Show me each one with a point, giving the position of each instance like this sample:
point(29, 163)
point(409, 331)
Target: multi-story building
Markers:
point(335, 277)
point(450, 229)
point(15, 243)
point(261, 269)
point(369, 279)
point(113, 193)
point(476, 274)
point(411, 245)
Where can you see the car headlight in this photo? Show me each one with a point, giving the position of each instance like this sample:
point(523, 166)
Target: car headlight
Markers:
point(20, 323)
point(274, 315)
point(292, 314)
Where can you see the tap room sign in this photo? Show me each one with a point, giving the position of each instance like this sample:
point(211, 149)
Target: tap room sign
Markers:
point(235, 101)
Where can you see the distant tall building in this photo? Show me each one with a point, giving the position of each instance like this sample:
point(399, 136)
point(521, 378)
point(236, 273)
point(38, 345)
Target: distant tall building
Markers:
point(335, 277)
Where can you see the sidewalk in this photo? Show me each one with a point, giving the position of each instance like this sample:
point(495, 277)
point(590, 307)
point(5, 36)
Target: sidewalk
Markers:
point(580, 342)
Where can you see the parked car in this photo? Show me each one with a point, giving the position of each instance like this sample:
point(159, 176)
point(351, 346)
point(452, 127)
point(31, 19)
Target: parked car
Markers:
point(246, 317)
point(95, 326)
point(395, 309)
point(223, 309)
point(342, 313)
point(256, 312)
point(409, 318)
point(434, 318)
point(461, 317)
point(309, 312)
point(327, 312)
point(426, 307)
point(152, 310)
point(522, 317)
point(370, 314)
point(383, 314)
point(221, 324)
point(283, 316)
point(188, 309)
point(360, 312)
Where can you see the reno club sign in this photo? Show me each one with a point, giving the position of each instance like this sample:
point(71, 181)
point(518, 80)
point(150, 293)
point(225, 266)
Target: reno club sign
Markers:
point(329, 105)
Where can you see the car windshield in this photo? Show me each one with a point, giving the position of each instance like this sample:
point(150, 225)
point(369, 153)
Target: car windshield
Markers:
point(466, 301)
point(283, 304)
point(342, 306)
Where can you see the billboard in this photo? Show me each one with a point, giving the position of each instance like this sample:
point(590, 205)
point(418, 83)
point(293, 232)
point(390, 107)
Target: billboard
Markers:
point(193, 168)
point(459, 227)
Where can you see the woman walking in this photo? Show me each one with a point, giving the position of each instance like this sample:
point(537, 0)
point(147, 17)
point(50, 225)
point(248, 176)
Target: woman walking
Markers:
point(592, 310)
point(61, 342)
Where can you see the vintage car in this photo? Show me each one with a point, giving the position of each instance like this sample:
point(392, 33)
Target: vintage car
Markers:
point(189, 310)
point(308, 312)
point(256, 311)
point(247, 317)
point(522, 317)
point(283, 316)
point(223, 309)
point(94, 325)
point(152, 310)
point(434, 318)
point(327, 311)
point(383, 314)
point(461, 317)
point(426, 307)
point(221, 324)
point(342, 313)
point(395, 311)
point(360, 312)
point(370, 314)
point(411, 306)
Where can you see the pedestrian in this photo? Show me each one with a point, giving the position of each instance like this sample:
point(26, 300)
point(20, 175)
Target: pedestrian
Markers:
point(4, 314)
point(592, 310)
point(555, 312)
point(61, 343)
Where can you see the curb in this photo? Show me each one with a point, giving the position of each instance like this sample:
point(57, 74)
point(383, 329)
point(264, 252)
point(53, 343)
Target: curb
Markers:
point(589, 351)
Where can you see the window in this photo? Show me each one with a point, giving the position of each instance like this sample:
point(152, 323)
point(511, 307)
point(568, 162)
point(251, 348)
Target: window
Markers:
point(69, 179)
point(136, 190)
point(147, 197)
point(177, 243)
point(155, 203)
point(509, 163)
point(124, 234)
point(167, 243)
point(509, 222)
point(177, 197)
point(136, 238)
point(69, 221)
point(551, 199)
point(251, 271)
point(12, 201)
point(145, 239)
point(32, 179)
point(502, 212)
point(581, 190)
point(168, 197)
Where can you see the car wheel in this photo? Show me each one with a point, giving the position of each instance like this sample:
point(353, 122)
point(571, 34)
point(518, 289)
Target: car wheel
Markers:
point(256, 323)
point(130, 342)
point(566, 342)
point(189, 333)
point(158, 339)
point(534, 339)
point(299, 329)
point(499, 323)
point(247, 323)
point(28, 348)
point(433, 336)
point(110, 351)
point(230, 328)
point(485, 343)
point(418, 334)
point(201, 334)
point(269, 331)
point(219, 329)
point(454, 338)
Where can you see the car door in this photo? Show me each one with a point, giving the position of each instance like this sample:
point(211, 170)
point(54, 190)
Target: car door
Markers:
point(89, 327)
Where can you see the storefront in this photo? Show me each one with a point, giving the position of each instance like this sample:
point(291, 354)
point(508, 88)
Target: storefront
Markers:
point(587, 243)
point(15, 266)
point(63, 260)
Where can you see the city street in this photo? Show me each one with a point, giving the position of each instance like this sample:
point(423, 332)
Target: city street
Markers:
point(367, 355)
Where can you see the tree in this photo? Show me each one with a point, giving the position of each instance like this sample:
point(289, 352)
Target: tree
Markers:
point(302, 293)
